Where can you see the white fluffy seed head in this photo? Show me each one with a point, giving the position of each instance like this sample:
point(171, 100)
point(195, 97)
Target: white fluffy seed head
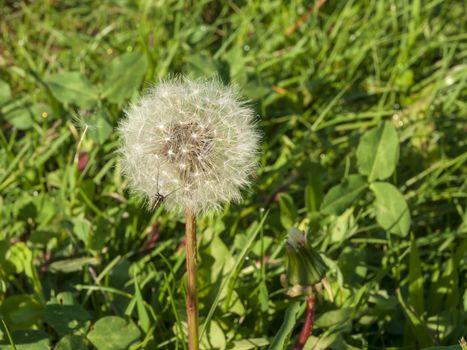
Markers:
point(192, 142)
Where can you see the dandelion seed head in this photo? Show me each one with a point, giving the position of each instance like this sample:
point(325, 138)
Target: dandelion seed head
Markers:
point(195, 140)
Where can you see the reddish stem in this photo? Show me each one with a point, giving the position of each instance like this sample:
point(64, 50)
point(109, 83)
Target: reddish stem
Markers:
point(191, 269)
point(308, 325)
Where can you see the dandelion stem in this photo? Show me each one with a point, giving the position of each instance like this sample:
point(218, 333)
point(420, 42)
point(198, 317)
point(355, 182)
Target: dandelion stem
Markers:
point(191, 268)
point(308, 325)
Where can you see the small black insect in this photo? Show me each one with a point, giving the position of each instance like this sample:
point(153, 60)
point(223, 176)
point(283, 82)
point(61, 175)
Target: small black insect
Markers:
point(159, 198)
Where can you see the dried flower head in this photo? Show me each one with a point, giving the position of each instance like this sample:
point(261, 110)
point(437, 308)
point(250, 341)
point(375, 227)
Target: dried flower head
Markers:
point(191, 143)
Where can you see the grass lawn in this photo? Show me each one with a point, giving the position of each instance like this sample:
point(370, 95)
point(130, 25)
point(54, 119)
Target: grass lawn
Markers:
point(338, 86)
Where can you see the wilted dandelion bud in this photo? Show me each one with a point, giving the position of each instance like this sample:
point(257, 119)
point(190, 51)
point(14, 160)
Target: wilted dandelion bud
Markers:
point(305, 267)
point(191, 143)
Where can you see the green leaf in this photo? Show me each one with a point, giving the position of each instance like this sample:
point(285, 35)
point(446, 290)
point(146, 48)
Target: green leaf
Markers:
point(5, 92)
point(249, 344)
point(280, 340)
point(114, 333)
point(392, 212)
point(240, 258)
point(334, 317)
point(72, 87)
point(416, 292)
point(72, 342)
point(123, 76)
point(323, 342)
point(18, 256)
point(342, 226)
point(21, 311)
point(420, 330)
point(222, 267)
point(99, 128)
point(72, 265)
point(81, 228)
point(213, 338)
point(65, 316)
point(342, 196)
point(20, 117)
point(27, 340)
point(313, 197)
point(378, 152)
point(314, 188)
point(143, 316)
point(201, 65)
point(288, 210)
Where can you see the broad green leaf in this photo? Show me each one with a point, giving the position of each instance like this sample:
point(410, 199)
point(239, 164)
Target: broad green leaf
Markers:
point(249, 344)
point(283, 334)
point(81, 228)
point(99, 128)
point(72, 265)
point(72, 87)
point(123, 76)
point(27, 340)
point(322, 342)
point(5, 92)
point(213, 338)
point(20, 117)
point(65, 316)
point(21, 311)
point(334, 318)
point(240, 258)
point(72, 342)
point(20, 258)
point(378, 152)
point(341, 227)
point(392, 212)
point(46, 209)
point(114, 333)
point(223, 259)
point(42, 111)
point(288, 210)
point(342, 196)
point(449, 347)
point(264, 244)
point(220, 270)
point(200, 65)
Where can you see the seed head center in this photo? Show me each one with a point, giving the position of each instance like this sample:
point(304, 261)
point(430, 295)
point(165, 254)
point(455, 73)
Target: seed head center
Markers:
point(187, 146)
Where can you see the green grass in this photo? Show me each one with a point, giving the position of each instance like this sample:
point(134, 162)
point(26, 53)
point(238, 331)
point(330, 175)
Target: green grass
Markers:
point(76, 247)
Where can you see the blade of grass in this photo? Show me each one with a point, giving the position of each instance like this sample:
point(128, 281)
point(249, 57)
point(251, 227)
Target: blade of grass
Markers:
point(10, 339)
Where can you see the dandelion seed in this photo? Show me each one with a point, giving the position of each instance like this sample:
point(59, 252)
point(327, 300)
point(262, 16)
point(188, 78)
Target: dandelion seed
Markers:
point(192, 129)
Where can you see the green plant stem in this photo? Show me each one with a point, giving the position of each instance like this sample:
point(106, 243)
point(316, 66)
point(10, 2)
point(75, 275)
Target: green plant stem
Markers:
point(191, 269)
